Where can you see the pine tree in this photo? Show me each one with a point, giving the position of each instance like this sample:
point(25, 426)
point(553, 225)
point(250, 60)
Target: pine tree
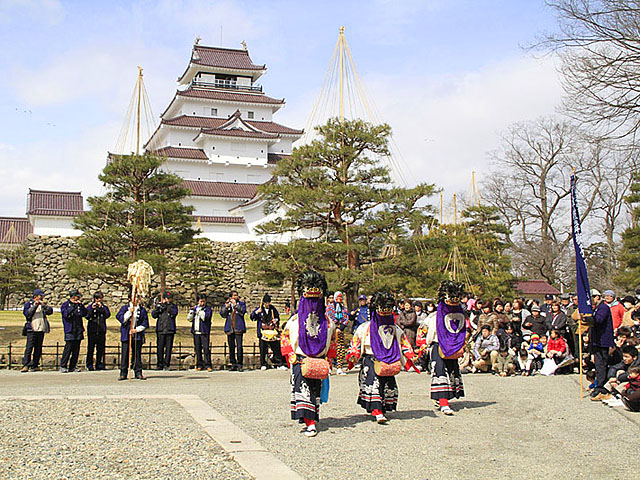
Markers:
point(140, 217)
point(338, 190)
point(15, 273)
point(630, 252)
point(195, 266)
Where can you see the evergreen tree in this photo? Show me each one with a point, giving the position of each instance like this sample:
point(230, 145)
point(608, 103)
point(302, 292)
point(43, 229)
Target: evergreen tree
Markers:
point(630, 253)
point(477, 247)
point(15, 273)
point(195, 266)
point(139, 217)
point(338, 190)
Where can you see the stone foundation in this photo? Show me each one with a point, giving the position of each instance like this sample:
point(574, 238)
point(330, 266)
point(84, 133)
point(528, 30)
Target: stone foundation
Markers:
point(51, 254)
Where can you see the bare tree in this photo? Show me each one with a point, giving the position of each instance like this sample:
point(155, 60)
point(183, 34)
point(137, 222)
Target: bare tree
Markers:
point(530, 188)
point(599, 43)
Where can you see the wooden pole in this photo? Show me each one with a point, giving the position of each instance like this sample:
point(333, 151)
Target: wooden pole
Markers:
point(580, 353)
point(131, 328)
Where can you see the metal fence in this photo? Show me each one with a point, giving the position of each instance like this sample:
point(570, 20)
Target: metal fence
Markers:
point(182, 358)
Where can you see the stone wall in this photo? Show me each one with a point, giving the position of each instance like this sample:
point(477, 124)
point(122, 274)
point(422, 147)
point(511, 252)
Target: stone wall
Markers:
point(51, 254)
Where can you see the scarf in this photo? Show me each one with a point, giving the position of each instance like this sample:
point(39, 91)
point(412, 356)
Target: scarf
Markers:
point(450, 328)
point(312, 326)
point(382, 334)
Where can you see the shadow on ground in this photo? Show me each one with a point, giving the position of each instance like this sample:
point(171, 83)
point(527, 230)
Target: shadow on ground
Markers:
point(352, 420)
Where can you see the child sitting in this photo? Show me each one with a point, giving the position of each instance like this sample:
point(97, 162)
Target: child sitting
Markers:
point(631, 393)
point(535, 354)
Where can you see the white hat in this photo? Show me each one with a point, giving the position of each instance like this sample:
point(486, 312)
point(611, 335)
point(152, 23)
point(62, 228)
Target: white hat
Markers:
point(595, 293)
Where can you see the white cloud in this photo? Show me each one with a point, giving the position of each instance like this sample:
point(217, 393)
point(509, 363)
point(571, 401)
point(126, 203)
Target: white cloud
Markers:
point(48, 11)
point(445, 126)
point(69, 165)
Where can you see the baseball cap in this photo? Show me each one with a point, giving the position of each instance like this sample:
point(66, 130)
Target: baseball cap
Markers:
point(37, 291)
point(595, 293)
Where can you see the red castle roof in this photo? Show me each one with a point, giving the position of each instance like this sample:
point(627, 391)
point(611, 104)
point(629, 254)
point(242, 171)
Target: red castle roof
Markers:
point(57, 204)
point(535, 287)
point(219, 219)
point(224, 57)
point(182, 152)
point(230, 96)
point(203, 188)
point(211, 122)
point(14, 230)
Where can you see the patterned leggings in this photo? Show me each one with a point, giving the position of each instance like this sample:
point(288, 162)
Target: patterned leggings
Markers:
point(341, 350)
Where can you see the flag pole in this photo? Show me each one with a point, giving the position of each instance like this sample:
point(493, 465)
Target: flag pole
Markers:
point(580, 359)
point(580, 341)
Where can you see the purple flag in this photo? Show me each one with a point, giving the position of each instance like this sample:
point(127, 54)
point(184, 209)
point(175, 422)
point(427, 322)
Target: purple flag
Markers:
point(312, 326)
point(451, 327)
point(382, 334)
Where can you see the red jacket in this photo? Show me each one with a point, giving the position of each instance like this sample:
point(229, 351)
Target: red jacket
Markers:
point(557, 345)
point(617, 314)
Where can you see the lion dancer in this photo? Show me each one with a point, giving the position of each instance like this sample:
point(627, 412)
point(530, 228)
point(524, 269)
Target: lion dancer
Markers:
point(446, 336)
point(308, 343)
point(383, 349)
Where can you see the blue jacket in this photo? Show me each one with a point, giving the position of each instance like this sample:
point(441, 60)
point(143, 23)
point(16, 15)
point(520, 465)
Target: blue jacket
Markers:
point(359, 316)
point(72, 315)
point(97, 319)
point(602, 330)
point(259, 315)
point(240, 326)
point(29, 310)
point(166, 314)
point(141, 320)
point(205, 325)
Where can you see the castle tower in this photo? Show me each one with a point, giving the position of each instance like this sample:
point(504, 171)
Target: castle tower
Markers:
point(219, 135)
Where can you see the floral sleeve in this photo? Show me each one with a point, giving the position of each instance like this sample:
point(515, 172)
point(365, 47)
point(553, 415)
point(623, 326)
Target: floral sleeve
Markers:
point(333, 346)
point(421, 339)
point(353, 354)
point(286, 348)
point(405, 347)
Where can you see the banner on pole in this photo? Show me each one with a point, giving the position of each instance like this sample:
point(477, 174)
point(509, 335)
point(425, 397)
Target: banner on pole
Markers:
point(582, 280)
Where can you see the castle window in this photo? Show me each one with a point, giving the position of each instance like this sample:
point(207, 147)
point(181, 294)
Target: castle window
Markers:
point(250, 115)
point(214, 112)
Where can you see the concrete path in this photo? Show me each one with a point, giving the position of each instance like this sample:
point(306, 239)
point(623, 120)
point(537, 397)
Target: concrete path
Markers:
point(503, 428)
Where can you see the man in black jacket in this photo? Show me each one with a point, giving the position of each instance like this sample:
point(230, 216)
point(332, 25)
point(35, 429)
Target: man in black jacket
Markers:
point(73, 311)
point(165, 314)
point(35, 312)
point(97, 314)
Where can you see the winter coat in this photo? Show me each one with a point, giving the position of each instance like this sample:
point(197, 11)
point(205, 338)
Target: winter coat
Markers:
point(489, 344)
point(266, 320)
point(617, 314)
point(141, 322)
point(488, 319)
point(72, 315)
point(409, 323)
point(557, 321)
point(38, 325)
point(538, 324)
point(602, 329)
point(165, 315)
point(229, 326)
point(200, 317)
point(97, 319)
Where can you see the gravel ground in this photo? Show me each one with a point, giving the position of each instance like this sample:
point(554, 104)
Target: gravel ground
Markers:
point(504, 428)
point(92, 439)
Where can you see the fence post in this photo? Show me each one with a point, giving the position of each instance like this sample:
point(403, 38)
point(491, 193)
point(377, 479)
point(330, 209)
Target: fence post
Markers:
point(57, 355)
point(9, 366)
point(224, 355)
point(179, 355)
point(254, 354)
point(119, 355)
point(150, 354)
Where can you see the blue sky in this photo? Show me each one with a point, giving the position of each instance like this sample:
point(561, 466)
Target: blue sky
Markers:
point(447, 75)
